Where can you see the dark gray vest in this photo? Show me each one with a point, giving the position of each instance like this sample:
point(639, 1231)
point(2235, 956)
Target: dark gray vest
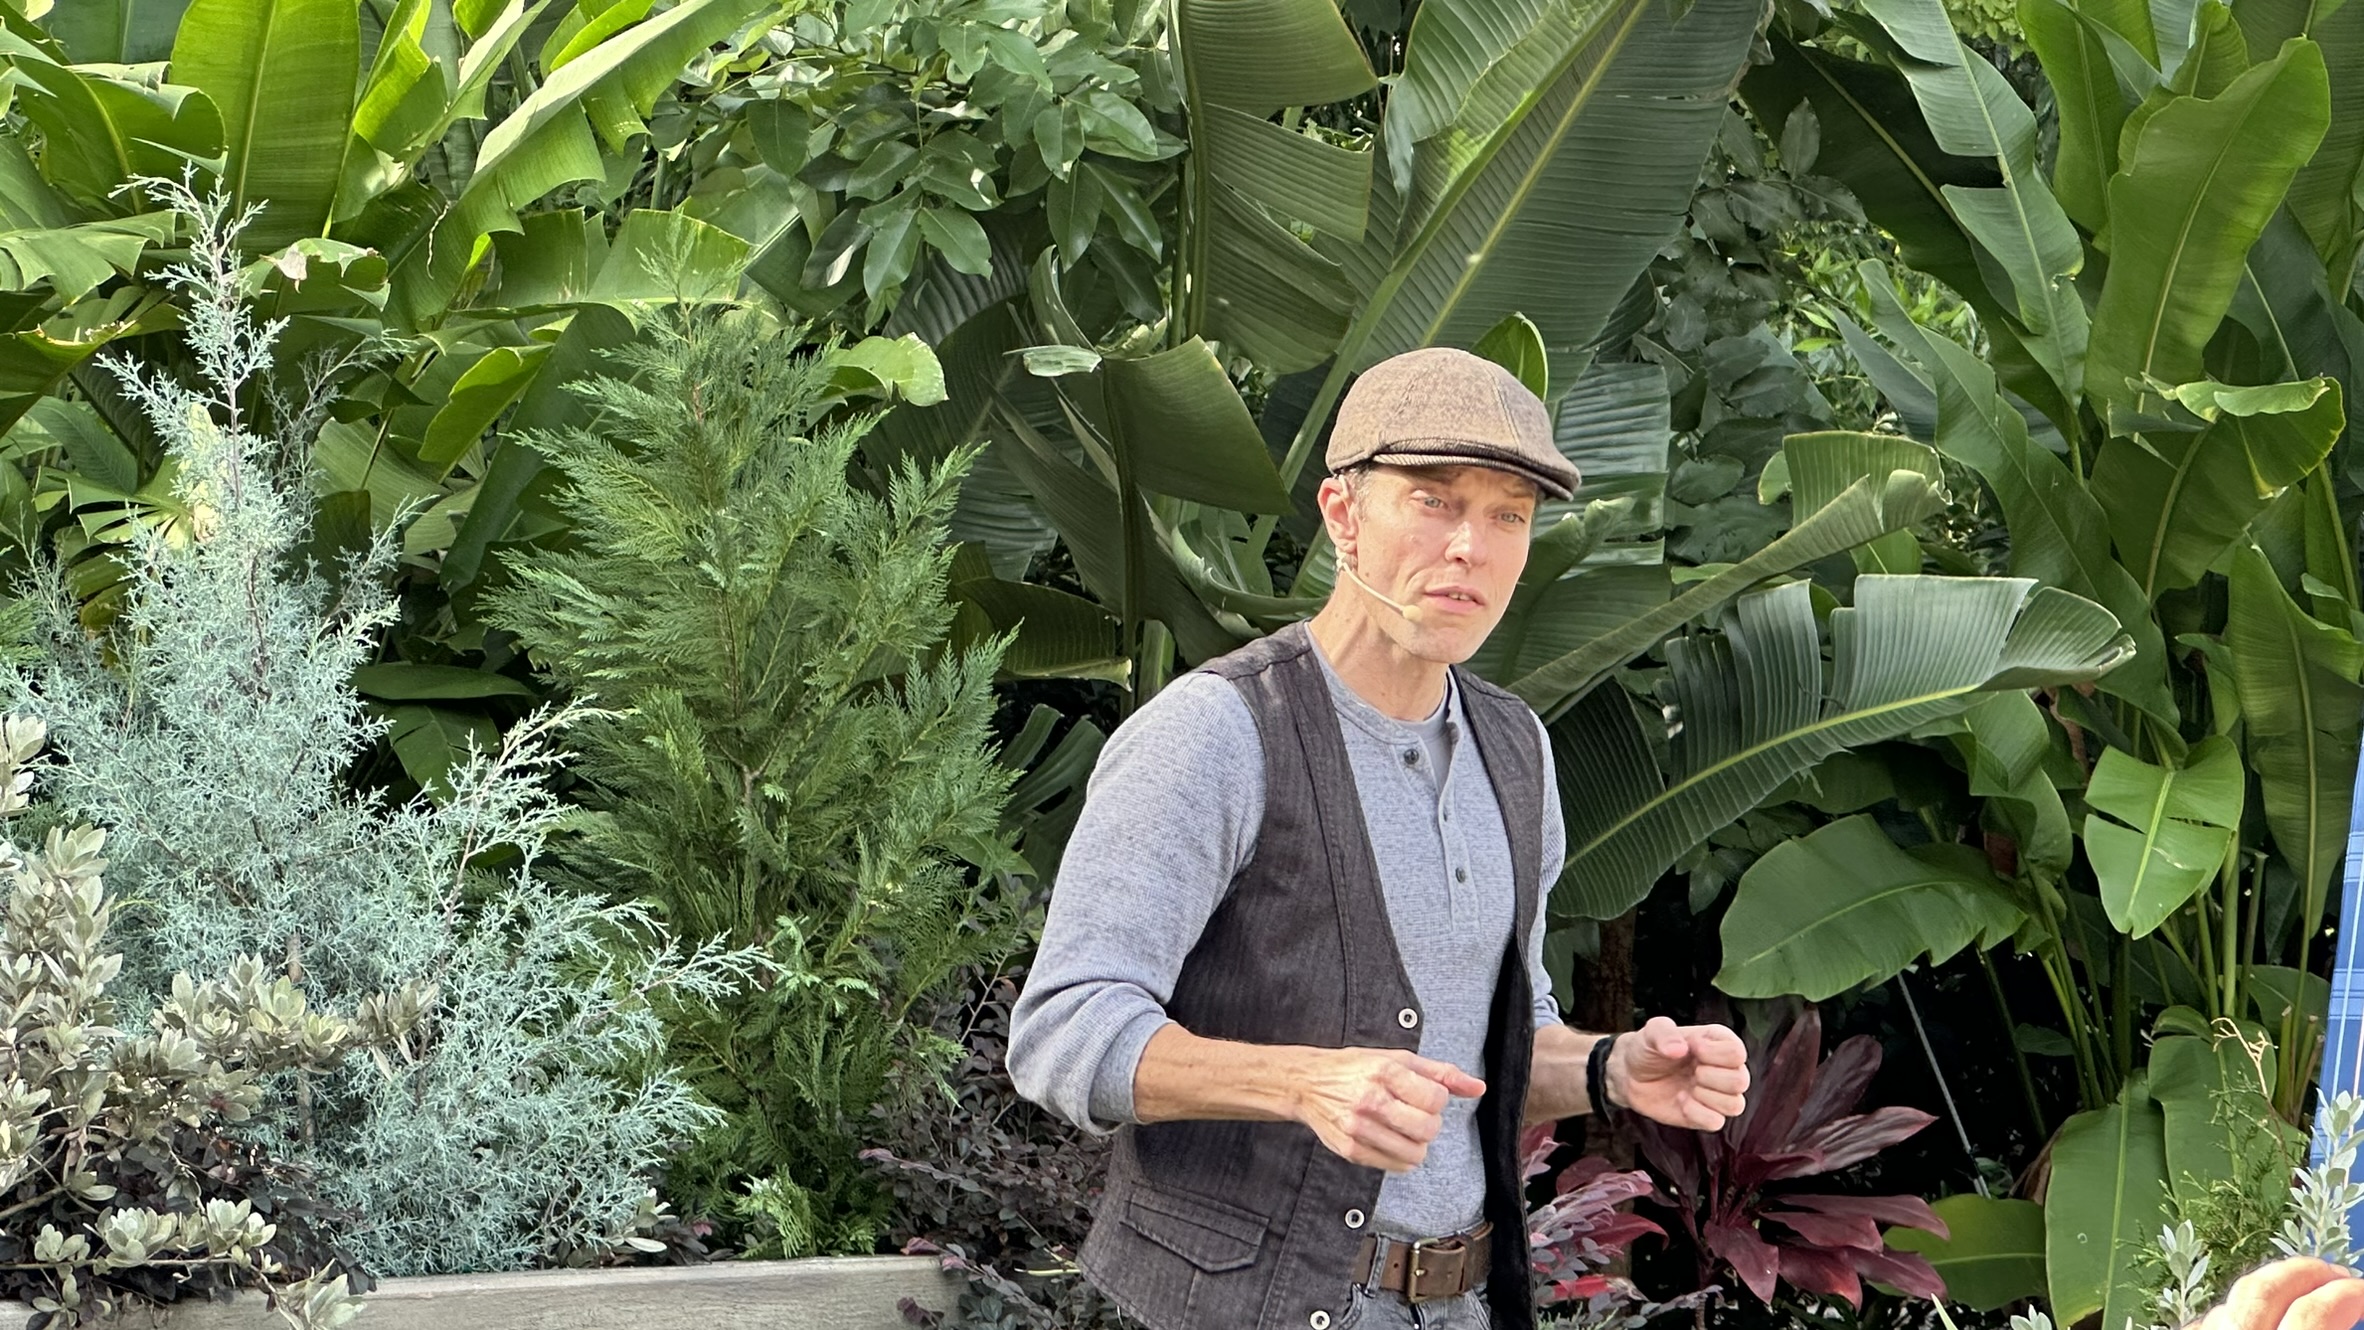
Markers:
point(1233, 1225)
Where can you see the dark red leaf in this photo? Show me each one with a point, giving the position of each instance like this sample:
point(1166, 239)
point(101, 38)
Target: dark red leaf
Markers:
point(1766, 1124)
point(1535, 1146)
point(1910, 1211)
point(1829, 1230)
point(1818, 1271)
point(1583, 1286)
point(1756, 1170)
point(1851, 1140)
point(1751, 1257)
point(1907, 1272)
point(1619, 1229)
point(1582, 1171)
point(1839, 1086)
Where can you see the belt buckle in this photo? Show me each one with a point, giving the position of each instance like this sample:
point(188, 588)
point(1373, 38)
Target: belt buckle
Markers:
point(1456, 1244)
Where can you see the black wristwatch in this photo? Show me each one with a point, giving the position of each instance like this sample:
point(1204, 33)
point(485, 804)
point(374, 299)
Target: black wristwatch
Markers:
point(1596, 1078)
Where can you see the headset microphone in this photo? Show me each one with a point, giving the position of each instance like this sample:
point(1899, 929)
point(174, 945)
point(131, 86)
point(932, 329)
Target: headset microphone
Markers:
point(1409, 612)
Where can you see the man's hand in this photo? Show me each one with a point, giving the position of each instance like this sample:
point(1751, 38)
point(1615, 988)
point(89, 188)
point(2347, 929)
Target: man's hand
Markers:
point(1682, 1075)
point(1379, 1107)
point(2297, 1294)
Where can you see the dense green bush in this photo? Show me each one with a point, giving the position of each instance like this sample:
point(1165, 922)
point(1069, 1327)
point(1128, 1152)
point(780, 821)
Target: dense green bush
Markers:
point(210, 733)
point(790, 758)
point(116, 1168)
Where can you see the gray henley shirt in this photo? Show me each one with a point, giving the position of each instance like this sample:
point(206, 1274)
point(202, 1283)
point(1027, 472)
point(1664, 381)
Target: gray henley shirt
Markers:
point(1170, 819)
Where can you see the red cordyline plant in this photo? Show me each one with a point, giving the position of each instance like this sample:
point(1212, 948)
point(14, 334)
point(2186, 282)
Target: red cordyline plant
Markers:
point(1579, 1231)
point(1729, 1187)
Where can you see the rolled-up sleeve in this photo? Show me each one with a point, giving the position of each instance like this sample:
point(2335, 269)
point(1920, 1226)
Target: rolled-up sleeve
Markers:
point(1555, 853)
point(1169, 819)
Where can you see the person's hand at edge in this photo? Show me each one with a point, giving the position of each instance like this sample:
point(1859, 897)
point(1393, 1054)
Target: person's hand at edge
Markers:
point(2300, 1293)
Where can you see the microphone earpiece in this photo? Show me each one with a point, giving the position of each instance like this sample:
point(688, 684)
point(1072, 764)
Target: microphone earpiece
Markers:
point(1407, 611)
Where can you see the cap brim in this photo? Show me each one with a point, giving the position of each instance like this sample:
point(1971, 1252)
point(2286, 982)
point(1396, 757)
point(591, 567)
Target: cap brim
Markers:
point(1557, 487)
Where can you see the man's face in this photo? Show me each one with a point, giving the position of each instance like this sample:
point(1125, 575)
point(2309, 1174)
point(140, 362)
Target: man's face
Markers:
point(1446, 542)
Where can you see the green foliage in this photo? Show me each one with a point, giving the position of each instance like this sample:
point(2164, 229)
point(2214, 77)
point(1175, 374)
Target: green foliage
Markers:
point(794, 759)
point(890, 141)
point(210, 733)
point(121, 1187)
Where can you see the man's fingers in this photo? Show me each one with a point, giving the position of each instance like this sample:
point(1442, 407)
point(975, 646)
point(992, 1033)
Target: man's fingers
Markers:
point(1377, 1145)
point(2338, 1305)
point(1410, 1086)
point(1716, 1046)
point(1458, 1083)
point(1722, 1080)
point(1409, 1121)
point(2258, 1300)
point(1718, 1102)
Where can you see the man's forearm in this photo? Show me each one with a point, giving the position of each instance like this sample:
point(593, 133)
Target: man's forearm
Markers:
point(1556, 1088)
point(1183, 1077)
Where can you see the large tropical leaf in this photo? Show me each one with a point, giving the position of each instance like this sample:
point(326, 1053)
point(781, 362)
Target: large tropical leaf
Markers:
point(2162, 832)
point(282, 73)
point(1993, 1254)
point(2059, 534)
point(1973, 112)
point(1756, 703)
point(1598, 158)
point(1187, 433)
point(100, 130)
point(1874, 140)
point(2196, 187)
point(2103, 1203)
point(1867, 510)
point(2177, 501)
point(1845, 907)
point(2092, 109)
point(2300, 701)
point(2324, 196)
point(1252, 282)
point(116, 32)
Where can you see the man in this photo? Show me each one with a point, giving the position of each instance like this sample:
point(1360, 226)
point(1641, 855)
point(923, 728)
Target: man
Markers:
point(1294, 957)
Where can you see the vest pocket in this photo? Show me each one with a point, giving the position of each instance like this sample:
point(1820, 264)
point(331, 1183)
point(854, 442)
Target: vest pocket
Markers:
point(1209, 1234)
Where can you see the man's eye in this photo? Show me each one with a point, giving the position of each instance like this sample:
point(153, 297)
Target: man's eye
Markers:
point(1432, 501)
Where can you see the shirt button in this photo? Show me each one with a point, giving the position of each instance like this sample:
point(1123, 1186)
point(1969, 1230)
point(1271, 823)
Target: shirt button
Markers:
point(1411, 757)
point(1320, 1320)
point(1460, 875)
point(1354, 1219)
point(1407, 1018)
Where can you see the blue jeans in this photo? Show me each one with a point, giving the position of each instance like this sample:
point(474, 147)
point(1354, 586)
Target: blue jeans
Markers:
point(1388, 1311)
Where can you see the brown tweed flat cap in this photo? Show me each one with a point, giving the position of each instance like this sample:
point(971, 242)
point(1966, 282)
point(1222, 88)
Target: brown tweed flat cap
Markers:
point(1440, 406)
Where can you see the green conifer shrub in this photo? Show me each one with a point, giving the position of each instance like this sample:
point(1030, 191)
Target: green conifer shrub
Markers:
point(791, 757)
point(118, 1183)
point(210, 730)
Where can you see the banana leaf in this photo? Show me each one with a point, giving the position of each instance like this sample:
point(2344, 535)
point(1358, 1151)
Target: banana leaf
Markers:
point(1754, 704)
point(282, 73)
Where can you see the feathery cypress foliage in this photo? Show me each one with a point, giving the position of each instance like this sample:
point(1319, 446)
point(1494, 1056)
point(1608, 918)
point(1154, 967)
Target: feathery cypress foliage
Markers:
point(210, 731)
point(792, 757)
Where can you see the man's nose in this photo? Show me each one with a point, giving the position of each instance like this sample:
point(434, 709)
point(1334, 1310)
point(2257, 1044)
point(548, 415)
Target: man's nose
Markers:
point(1463, 544)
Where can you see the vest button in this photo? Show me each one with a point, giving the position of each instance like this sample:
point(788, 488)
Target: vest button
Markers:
point(1320, 1320)
point(1407, 1018)
point(1354, 1219)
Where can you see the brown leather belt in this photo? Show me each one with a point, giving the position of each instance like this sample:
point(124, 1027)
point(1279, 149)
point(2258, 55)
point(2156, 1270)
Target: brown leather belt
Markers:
point(1430, 1269)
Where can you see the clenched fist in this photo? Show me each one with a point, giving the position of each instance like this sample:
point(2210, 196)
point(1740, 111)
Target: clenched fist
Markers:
point(1682, 1075)
point(1378, 1107)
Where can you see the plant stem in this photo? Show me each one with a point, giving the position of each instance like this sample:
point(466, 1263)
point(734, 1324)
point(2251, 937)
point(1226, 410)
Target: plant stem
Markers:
point(1944, 1091)
point(2027, 1080)
point(2122, 1010)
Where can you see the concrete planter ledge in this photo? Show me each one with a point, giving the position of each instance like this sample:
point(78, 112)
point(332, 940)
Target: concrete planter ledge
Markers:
point(818, 1293)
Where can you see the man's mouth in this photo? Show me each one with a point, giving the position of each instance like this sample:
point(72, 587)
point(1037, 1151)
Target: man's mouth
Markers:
point(1458, 597)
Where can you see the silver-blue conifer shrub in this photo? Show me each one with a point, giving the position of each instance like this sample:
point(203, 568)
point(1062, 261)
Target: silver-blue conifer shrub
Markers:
point(210, 730)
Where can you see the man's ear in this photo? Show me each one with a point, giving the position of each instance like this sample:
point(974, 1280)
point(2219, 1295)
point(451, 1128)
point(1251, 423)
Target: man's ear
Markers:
point(1337, 506)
